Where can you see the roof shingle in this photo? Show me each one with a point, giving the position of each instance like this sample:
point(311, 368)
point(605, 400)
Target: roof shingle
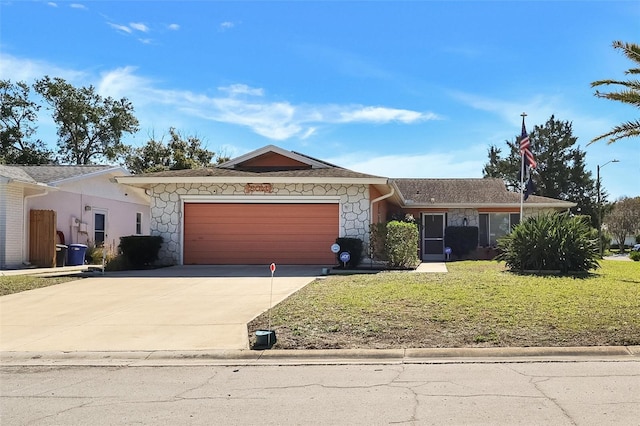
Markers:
point(462, 191)
point(54, 173)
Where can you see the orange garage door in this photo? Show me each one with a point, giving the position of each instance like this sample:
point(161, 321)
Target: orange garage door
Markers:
point(236, 234)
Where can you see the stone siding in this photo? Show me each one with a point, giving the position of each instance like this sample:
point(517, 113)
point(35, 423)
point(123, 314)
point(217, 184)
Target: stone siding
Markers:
point(166, 208)
point(456, 217)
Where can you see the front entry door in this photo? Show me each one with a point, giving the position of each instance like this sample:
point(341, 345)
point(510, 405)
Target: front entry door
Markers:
point(99, 227)
point(433, 236)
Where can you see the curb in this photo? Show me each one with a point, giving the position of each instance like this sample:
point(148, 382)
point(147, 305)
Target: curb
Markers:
point(247, 357)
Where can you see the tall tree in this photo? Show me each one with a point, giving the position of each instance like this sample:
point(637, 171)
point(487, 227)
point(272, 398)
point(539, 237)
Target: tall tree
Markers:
point(90, 127)
point(629, 94)
point(18, 114)
point(560, 171)
point(178, 153)
point(623, 219)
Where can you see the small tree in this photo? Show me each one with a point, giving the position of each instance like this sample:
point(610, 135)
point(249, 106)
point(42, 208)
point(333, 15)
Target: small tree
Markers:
point(550, 242)
point(623, 220)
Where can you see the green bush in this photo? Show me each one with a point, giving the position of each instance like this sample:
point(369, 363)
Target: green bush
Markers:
point(378, 241)
point(550, 242)
point(635, 255)
point(461, 239)
point(140, 250)
point(402, 244)
point(354, 247)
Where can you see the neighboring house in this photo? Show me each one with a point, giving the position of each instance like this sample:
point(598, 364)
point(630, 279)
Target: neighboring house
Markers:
point(89, 205)
point(274, 205)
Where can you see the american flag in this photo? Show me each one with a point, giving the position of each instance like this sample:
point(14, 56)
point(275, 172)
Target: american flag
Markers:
point(525, 148)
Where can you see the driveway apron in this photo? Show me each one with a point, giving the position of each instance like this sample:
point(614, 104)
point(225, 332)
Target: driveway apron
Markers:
point(177, 308)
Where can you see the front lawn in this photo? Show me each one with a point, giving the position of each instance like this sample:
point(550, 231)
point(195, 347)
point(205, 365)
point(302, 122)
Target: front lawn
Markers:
point(476, 304)
point(18, 283)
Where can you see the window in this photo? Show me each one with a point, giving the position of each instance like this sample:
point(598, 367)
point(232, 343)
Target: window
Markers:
point(493, 226)
point(138, 223)
point(99, 227)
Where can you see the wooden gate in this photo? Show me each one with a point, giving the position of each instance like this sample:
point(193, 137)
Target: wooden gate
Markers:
point(42, 238)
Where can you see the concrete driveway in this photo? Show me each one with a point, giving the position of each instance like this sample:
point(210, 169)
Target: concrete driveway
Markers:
point(177, 308)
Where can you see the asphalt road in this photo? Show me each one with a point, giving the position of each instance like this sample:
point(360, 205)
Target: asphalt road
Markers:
point(518, 391)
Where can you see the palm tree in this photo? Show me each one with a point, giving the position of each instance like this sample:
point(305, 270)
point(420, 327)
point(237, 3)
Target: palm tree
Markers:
point(629, 94)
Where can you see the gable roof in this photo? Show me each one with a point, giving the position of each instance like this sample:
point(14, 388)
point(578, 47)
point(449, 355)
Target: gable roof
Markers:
point(304, 159)
point(478, 192)
point(56, 174)
point(248, 168)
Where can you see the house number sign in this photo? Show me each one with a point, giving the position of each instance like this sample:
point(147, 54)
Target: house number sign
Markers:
point(250, 188)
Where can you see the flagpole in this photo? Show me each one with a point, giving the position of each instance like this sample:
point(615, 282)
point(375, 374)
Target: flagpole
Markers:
point(523, 115)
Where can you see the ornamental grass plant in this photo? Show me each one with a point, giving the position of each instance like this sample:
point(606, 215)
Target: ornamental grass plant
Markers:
point(550, 242)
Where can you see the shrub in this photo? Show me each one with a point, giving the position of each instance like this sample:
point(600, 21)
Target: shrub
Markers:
point(94, 253)
point(402, 244)
point(635, 255)
point(117, 263)
point(461, 239)
point(378, 239)
point(353, 246)
point(140, 250)
point(550, 242)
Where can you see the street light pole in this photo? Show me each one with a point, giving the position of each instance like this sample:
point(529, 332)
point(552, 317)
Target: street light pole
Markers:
point(600, 206)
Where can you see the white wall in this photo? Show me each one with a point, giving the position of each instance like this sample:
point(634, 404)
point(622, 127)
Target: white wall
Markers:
point(11, 225)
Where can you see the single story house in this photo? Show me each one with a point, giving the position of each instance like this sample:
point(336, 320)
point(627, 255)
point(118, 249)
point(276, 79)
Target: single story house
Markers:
point(275, 205)
point(85, 205)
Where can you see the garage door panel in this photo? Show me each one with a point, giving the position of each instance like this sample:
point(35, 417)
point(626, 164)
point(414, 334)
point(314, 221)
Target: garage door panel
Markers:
point(281, 233)
point(260, 233)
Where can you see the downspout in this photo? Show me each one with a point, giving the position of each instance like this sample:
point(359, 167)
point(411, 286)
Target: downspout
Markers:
point(25, 214)
point(380, 198)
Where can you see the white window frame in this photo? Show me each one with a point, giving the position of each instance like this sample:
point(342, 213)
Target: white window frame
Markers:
point(104, 212)
point(493, 241)
point(138, 223)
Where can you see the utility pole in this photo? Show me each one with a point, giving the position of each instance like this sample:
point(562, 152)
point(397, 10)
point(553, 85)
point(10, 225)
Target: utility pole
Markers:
point(600, 206)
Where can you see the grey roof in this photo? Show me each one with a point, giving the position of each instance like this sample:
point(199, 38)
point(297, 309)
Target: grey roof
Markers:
point(15, 173)
point(463, 191)
point(222, 172)
point(54, 173)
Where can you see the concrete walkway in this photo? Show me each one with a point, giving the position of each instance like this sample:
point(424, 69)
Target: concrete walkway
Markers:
point(432, 267)
point(178, 308)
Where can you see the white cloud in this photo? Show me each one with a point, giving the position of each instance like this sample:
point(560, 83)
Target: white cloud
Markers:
point(119, 27)
point(78, 6)
point(117, 83)
point(241, 89)
point(145, 40)
point(52, 4)
point(139, 26)
point(173, 27)
point(414, 165)
point(226, 25)
point(237, 104)
point(384, 115)
point(19, 69)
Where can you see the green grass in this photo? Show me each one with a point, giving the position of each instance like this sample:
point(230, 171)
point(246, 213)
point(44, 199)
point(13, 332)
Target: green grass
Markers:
point(18, 283)
point(476, 304)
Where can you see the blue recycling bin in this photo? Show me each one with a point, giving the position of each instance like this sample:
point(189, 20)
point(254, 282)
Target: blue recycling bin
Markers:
point(76, 253)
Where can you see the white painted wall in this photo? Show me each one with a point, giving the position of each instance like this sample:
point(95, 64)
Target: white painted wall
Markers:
point(11, 225)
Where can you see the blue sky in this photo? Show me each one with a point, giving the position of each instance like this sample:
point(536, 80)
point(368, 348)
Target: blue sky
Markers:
point(397, 89)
